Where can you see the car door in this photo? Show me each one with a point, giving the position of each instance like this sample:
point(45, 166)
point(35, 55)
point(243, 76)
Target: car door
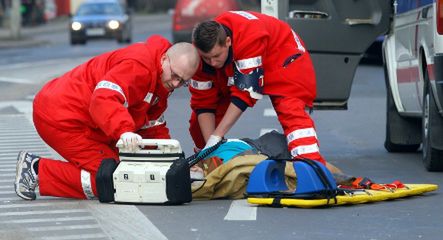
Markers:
point(336, 33)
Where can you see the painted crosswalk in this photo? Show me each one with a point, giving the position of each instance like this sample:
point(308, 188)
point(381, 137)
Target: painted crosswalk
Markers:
point(50, 218)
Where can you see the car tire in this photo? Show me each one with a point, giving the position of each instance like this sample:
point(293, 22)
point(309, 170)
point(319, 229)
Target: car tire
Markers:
point(432, 128)
point(402, 134)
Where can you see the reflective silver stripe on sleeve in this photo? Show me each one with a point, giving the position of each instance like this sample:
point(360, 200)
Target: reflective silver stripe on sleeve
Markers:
point(86, 184)
point(231, 81)
point(112, 86)
point(148, 97)
point(304, 149)
point(245, 15)
point(248, 63)
point(297, 40)
point(200, 85)
point(153, 123)
point(301, 133)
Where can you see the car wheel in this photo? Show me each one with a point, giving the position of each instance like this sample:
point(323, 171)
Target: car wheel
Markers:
point(402, 134)
point(432, 126)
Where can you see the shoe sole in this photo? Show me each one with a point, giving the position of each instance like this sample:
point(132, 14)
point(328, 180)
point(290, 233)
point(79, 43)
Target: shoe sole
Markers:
point(20, 159)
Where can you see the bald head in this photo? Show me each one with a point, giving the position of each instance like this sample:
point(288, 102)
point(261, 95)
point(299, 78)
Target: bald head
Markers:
point(185, 58)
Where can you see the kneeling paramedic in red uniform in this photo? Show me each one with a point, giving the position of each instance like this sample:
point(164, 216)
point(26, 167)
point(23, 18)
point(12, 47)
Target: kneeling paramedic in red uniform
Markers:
point(121, 94)
point(247, 55)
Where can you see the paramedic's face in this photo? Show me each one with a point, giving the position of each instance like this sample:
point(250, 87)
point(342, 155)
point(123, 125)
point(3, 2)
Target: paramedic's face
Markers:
point(173, 74)
point(218, 54)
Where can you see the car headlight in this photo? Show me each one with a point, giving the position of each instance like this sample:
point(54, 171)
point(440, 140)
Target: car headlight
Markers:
point(76, 26)
point(113, 24)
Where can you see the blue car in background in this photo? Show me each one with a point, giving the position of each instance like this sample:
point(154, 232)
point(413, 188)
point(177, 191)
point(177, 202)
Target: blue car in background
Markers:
point(101, 19)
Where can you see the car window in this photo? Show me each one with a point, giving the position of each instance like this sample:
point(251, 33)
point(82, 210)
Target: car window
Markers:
point(99, 9)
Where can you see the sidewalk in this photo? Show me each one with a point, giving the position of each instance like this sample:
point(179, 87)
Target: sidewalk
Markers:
point(27, 34)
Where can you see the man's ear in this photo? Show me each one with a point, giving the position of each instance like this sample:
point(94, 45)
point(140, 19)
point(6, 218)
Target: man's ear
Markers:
point(228, 41)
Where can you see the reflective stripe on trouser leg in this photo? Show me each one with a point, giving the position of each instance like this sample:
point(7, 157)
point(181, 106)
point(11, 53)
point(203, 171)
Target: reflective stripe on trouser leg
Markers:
point(298, 128)
point(86, 184)
point(304, 149)
point(301, 133)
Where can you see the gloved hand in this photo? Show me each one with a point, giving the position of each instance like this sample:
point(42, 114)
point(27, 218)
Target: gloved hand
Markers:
point(131, 141)
point(212, 140)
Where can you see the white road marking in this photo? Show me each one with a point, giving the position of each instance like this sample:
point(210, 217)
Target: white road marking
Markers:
point(7, 165)
point(8, 175)
point(8, 162)
point(123, 221)
point(39, 64)
point(7, 192)
point(34, 204)
point(57, 228)
point(7, 169)
point(40, 220)
point(16, 80)
point(240, 210)
point(269, 112)
point(76, 236)
point(43, 212)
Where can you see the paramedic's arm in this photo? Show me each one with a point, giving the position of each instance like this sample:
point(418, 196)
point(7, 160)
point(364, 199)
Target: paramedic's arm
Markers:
point(207, 124)
point(229, 119)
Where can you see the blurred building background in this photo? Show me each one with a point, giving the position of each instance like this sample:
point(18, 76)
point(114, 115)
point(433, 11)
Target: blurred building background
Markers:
point(36, 12)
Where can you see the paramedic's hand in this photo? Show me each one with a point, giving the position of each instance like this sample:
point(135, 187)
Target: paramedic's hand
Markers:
point(212, 140)
point(131, 141)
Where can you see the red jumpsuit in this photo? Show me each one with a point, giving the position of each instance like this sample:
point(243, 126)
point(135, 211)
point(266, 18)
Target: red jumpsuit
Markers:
point(82, 114)
point(261, 41)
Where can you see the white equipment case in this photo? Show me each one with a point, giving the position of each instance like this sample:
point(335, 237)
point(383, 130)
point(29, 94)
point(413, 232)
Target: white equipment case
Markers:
point(141, 176)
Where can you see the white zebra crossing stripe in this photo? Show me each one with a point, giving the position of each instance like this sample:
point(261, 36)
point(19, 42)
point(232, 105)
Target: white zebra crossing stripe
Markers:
point(135, 225)
point(240, 210)
point(55, 218)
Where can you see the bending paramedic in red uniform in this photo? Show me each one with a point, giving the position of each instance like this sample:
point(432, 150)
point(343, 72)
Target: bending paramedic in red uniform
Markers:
point(247, 55)
point(121, 94)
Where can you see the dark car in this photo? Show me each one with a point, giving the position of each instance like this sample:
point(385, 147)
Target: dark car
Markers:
point(101, 19)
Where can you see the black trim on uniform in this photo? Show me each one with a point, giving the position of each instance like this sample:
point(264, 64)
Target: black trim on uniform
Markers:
point(239, 103)
point(208, 69)
point(204, 110)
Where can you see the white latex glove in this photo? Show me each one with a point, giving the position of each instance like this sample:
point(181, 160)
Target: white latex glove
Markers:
point(212, 140)
point(131, 141)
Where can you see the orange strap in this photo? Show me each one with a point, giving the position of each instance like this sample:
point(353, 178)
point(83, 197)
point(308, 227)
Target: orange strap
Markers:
point(366, 183)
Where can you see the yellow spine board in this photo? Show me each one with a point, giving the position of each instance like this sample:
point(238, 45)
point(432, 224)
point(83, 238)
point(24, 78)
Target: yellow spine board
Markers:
point(357, 198)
